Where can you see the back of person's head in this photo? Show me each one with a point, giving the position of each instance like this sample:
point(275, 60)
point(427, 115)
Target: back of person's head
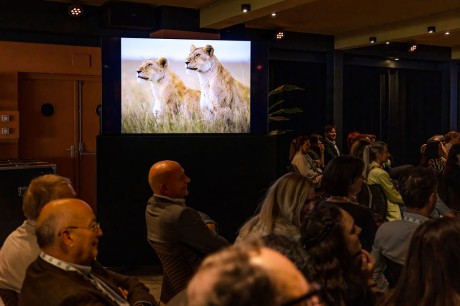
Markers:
point(282, 206)
point(430, 275)
point(417, 186)
point(300, 141)
point(42, 190)
point(371, 151)
point(292, 249)
point(352, 137)
point(431, 152)
point(357, 148)
point(452, 159)
point(340, 173)
point(245, 274)
point(451, 135)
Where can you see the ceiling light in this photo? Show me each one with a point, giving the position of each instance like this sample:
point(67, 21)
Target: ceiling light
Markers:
point(279, 35)
point(75, 10)
point(447, 33)
point(372, 39)
point(413, 47)
point(245, 7)
point(387, 43)
point(273, 14)
point(431, 29)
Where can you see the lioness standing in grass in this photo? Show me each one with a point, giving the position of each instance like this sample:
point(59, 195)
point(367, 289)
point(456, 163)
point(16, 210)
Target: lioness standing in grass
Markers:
point(221, 94)
point(169, 91)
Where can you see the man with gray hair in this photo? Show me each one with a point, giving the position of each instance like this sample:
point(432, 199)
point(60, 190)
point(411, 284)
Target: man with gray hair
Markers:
point(21, 248)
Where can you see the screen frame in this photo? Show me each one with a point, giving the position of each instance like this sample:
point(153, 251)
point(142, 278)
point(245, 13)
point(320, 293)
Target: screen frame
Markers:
point(111, 87)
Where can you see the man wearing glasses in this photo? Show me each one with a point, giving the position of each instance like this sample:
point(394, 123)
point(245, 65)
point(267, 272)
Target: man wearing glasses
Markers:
point(66, 271)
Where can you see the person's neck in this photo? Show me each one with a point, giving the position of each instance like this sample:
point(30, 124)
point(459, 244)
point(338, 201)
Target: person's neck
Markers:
point(425, 211)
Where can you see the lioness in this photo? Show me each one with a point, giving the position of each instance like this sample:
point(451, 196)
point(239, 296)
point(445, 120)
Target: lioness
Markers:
point(169, 91)
point(220, 92)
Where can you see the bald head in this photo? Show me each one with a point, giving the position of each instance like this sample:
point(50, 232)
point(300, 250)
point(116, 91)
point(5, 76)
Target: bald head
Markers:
point(67, 229)
point(246, 274)
point(167, 178)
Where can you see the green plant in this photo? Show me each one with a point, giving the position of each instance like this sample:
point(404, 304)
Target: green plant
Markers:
point(276, 112)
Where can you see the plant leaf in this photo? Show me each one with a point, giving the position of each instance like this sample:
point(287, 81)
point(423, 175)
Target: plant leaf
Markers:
point(293, 110)
point(278, 118)
point(276, 104)
point(284, 88)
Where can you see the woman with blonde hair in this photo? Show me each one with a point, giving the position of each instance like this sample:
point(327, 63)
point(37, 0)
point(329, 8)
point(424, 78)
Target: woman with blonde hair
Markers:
point(375, 156)
point(282, 209)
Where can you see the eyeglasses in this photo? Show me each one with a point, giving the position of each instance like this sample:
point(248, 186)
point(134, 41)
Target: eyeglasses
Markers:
point(94, 228)
point(316, 291)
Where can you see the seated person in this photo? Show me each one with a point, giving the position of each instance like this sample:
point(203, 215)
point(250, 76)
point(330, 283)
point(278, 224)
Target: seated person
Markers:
point(249, 274)
point(418, 190)
point(175, 231)
point(282, 208)
point(303, 163)
point(21, 248)
point(66, 272)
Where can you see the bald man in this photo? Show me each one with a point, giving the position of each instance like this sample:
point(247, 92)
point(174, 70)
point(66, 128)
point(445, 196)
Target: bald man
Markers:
point(66, 272)
point(176, 232)
point(250, 274)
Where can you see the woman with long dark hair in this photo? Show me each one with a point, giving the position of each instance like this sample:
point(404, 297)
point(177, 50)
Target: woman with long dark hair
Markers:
point(430, 276)
point(339, 264)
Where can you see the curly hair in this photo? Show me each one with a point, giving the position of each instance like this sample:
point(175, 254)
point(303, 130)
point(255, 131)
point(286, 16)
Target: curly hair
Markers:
point(333, 265)
point(282, 209)
point(429, 277)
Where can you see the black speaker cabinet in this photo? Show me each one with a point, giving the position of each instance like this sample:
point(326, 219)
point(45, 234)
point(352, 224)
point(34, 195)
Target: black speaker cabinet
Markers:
point(15, 176)
point(229, 174)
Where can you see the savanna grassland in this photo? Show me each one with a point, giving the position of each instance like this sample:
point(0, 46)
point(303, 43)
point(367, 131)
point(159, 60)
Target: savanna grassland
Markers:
point(137, 100)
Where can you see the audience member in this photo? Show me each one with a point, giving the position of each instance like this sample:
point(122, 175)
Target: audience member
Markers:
point(20, 249)
point(418, 190)
point(375, 155)
point(176, 232)
point(303, 163)
point(430, 276)
point(433, 157)
point(342, 181)
point(340, 266)
point(451, 138)
point(452, 177)
point(249, 274)
point(316, 151)
point(357, 148)
point(330, 147)
point(66, 272)
point(282, 208)
point(351, 137)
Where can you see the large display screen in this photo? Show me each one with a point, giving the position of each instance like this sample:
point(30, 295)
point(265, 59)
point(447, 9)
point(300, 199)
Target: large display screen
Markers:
point(183, 86)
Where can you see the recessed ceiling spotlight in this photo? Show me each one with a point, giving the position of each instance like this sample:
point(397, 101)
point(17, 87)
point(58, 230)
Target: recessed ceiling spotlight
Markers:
point(245, 7)
point(431, 29)
point(372, 39)
point(75, 10)
point(273, 14)
point(447, 33)
point(396, 59)
point(387, 43)
point(279, 35)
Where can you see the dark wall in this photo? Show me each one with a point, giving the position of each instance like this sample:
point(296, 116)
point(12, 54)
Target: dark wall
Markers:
point(229, 174)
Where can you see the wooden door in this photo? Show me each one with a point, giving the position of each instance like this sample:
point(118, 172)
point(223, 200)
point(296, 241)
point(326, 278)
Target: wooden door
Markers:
point(59, 124)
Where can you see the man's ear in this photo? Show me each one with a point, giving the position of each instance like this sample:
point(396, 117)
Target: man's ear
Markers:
point(65, 238)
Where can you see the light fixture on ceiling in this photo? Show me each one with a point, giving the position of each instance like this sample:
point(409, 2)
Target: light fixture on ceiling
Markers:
point(245, 7)
point(372, 39)
point(273, 14)
point(431, 29)
point(447, 33)
point(387, 43)
point(279, 35)
point(75, 10)
point(413, 47)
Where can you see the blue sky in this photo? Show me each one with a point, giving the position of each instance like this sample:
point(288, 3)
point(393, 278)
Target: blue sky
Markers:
point(178, 49)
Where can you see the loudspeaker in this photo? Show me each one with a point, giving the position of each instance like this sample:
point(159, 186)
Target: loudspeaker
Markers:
point(129, 16)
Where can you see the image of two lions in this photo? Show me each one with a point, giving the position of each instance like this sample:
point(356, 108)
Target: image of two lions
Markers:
point(220, 94)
